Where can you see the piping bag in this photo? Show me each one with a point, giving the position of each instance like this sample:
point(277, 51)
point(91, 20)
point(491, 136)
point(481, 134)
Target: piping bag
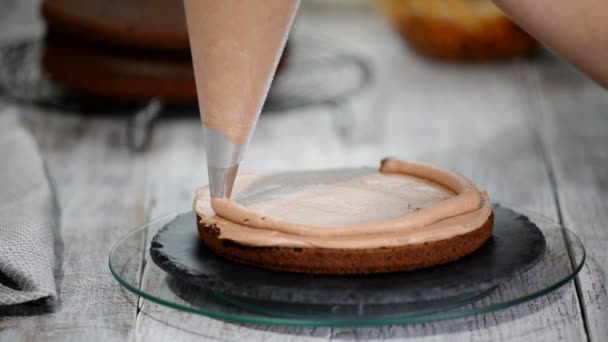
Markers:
point(236, 46)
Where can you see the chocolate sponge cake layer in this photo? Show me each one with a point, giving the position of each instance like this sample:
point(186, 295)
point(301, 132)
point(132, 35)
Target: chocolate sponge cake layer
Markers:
point(349, 261)
point(120, 50)
point(157, 25)
point(118, 76)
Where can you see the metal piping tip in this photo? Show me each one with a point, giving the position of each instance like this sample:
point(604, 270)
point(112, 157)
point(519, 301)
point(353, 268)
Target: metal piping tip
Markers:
point(221, 180)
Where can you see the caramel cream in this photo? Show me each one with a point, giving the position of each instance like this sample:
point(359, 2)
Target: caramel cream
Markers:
point(403, 203)
point(236, 46)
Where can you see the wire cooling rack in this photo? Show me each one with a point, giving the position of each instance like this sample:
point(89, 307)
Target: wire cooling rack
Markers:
point(320, 71)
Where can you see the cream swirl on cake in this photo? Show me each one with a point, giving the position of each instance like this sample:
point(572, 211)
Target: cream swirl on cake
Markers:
point(402, 203)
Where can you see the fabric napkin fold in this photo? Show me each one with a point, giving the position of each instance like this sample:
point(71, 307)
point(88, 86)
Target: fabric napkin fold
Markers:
point(29, 218)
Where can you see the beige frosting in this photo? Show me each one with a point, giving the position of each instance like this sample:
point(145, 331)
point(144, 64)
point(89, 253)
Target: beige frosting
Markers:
point(403, 203)
point(236, 46)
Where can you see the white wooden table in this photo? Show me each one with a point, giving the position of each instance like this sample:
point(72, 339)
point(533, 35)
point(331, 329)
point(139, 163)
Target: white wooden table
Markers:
point(533, 133)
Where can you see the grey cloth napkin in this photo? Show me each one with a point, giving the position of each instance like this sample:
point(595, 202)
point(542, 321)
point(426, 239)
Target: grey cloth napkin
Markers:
point(29, 218)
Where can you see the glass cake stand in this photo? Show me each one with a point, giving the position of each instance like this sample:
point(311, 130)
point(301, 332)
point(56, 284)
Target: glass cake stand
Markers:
point(131, 264)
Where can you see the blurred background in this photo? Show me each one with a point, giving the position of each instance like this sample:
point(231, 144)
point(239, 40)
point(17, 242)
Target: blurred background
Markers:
point(452, 82)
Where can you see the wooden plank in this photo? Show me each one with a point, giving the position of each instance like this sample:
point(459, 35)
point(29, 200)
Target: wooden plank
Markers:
point(574, 121)
point(101, 192)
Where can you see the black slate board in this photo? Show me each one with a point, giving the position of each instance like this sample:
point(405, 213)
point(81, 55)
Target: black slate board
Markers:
point(515, 246)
